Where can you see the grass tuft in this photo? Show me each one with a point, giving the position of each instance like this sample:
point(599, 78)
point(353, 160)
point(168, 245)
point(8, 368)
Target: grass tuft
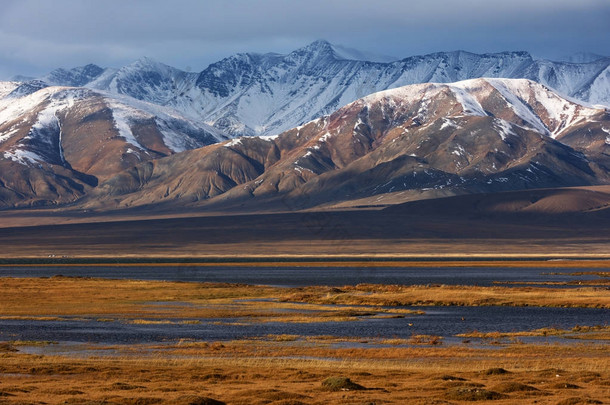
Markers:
point(512, 386)
point(341, 384)
point(495, 371)
point(196, 400)
point(473, 394)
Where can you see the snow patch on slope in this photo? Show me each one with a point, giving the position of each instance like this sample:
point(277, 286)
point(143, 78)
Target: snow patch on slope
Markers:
point(46, 125)
point(447, 123)
point(608, 137)
point(269, 138)
point(23, 157)
point(504, 128)
point(122, 115)
point(6, 88)
point(469, 103)
point(599, 91)
point(172, 124)
point(234, 142)
point(520, 108)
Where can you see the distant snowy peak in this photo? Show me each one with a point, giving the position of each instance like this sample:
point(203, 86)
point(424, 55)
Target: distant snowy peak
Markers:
point(322, 49)
point(346, 53)
point(313, 81)
point(265, 94)
point(145, 79)
point(27, 88)
point(76, 77)
point(7, 87)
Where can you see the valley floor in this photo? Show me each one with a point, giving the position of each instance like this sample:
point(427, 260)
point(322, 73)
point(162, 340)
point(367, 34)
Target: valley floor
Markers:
point(551, 223)
point(355, 234)
point(519, 374)
point(571, 367)
point(285, 369)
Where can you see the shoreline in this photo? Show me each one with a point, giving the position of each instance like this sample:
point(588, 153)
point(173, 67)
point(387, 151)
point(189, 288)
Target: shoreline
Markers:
point(550, 261)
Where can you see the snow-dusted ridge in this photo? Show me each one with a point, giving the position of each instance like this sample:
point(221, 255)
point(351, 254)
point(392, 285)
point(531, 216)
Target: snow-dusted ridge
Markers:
point(473, 135)
point(528, 101)
point(265, 94)
point(39, 112)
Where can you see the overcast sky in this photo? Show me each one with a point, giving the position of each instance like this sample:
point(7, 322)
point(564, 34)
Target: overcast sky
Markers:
point(37, 36)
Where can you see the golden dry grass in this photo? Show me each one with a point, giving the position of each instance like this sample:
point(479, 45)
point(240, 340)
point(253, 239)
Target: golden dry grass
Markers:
point(286, 369)
point(598, 331)
point(272, 371)
point(162, 301)
point(398, 295)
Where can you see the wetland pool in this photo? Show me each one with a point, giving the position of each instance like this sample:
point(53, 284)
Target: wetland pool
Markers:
point(440, 321)
point(444, 321)
point(309, 276)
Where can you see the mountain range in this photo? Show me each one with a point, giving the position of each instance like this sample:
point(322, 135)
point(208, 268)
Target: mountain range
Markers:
point(322, 129)
point(265, 94)
point(481, 135)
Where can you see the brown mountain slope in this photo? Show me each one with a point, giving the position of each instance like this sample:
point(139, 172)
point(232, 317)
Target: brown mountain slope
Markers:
point(57, 143)
point(469, 137)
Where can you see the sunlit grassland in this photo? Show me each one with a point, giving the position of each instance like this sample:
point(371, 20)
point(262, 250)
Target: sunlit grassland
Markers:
point(287, 369)
point(273, 370)
point(52, 298)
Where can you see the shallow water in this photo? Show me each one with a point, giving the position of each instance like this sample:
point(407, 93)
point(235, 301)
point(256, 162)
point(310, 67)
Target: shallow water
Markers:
point(304, 276)
point(441, 321)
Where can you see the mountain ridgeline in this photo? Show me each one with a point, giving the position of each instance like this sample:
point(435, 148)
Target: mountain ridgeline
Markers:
point(319, 128)
point(265, 94)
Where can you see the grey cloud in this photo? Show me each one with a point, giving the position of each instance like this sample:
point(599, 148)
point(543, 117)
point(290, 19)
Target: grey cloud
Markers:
point(39, 35)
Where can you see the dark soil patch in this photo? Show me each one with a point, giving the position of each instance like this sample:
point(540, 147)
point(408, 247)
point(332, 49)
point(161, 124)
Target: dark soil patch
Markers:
point(451, 378)
point(587, 376)
point(196, 400)
point(289, 402)
point(7, 347)
point(513, 387)
point(473, 394)
point(579, 401)
point(141, 401)
point(453, 384)
point(565, 386)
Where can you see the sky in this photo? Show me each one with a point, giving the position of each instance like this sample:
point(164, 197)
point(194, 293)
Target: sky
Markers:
point(37, 36)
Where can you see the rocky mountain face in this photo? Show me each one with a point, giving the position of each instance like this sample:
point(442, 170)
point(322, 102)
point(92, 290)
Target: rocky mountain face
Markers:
point(482, 135)
point(351, 131)
point(56, 143)
point(265, 94)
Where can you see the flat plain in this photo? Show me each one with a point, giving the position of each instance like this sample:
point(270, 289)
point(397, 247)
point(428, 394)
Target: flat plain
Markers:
point(565, 366)
point(500, 225)
point(293, 369)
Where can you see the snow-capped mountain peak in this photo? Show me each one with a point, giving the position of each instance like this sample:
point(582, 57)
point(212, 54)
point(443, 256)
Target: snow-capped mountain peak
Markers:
point(264, 94)
point(76, 77)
